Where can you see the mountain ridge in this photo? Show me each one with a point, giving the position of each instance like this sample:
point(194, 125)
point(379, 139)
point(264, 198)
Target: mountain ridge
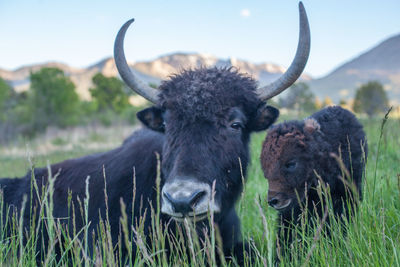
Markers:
point(152, 71)
point(381, 63)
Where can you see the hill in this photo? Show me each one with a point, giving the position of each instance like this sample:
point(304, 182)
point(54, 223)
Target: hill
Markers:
point(381, 63)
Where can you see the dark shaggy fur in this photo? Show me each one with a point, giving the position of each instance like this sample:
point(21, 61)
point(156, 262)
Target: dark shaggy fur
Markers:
point(294, 151)
point(206, 94)
point(200, 127)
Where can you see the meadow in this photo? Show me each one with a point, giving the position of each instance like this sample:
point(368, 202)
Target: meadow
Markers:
point(371, 238)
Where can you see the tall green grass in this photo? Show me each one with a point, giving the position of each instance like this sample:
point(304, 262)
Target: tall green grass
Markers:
point(372, 237)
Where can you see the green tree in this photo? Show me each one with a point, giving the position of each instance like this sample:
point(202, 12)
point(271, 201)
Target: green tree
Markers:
point(52, 99)
point(5, 96)
point(371, 98)
point(327, 102)
point(342, 102)
point(299, 98)
point(109, 94)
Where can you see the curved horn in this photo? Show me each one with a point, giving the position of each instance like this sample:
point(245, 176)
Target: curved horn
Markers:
point(298, 64)
point(133, 82)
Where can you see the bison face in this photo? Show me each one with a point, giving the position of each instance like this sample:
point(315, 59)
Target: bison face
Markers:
point(204, 155)
point(287, 162)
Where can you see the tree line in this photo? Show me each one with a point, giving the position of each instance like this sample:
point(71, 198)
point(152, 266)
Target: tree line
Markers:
point(52, 100)
point(370, 99)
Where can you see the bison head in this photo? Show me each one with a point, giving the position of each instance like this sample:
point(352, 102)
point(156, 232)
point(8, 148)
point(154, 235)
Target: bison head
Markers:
point(289, 154)
point(207, 115)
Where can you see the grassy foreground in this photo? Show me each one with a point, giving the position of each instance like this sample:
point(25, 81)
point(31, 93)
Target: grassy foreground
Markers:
point(372, 237)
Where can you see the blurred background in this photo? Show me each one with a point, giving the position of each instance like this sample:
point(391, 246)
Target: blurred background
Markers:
point(59, 85)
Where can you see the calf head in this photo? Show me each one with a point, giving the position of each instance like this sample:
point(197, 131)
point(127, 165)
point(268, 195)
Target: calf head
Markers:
point(289, 154)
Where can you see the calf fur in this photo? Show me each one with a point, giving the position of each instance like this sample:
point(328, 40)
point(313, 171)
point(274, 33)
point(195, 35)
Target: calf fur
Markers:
point(298, 155)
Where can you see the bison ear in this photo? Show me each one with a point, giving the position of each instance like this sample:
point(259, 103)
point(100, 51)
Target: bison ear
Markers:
point(152, 118)
point(311, 125)
point(266, 115)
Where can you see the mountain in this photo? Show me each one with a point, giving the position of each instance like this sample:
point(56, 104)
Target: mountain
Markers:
point(149, 71)
point(174, 63)
point(19, 78)
point(381, 63)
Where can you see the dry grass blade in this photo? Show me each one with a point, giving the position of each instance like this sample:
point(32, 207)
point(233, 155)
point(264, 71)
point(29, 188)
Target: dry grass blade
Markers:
point(242, 176)
point(124, 223)
point(49, 252)
point(398, 182)
point(384, 120)
point(139, 242)
point(348, 182)
point(266, 231)
point(86, 214)
point(189, 237)
point(85, 256)
point(264, 219)
point(20, 232)
point(316, 238)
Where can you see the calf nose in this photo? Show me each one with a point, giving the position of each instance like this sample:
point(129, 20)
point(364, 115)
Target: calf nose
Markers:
point(279, 201)
point(184, 204)
point(273, 201)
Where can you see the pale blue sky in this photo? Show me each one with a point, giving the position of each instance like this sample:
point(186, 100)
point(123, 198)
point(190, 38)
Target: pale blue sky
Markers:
point(80, 33)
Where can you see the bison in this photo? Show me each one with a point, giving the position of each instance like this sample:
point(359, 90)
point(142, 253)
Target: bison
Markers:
point(199, 126)
point(298, 155)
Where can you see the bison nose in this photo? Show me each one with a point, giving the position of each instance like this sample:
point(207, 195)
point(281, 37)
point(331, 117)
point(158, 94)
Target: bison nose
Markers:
point(187, 197)
point(183, 204)
point(273, 201)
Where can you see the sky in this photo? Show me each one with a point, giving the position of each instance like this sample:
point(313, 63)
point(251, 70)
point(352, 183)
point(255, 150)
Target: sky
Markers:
point(82, 32)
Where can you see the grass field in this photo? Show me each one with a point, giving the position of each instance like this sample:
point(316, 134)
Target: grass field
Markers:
point(372, 238)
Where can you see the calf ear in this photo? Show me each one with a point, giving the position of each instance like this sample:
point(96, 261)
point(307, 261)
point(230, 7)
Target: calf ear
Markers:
point(152, 118)
point(265, 116)
point(311, 125)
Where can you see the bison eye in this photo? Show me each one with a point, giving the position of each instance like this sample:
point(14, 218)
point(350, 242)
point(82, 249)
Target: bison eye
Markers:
point(236, 125)
point(291, 165)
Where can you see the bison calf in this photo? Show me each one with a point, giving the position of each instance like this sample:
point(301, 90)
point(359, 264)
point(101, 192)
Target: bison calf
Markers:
point(298, 155)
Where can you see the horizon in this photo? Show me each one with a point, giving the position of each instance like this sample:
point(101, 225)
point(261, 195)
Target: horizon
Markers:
point(191, 53)
point(82, 34)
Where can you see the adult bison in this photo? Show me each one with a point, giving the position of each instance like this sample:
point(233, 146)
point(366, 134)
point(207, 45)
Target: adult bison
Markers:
point(200, 126)
point(327, 148)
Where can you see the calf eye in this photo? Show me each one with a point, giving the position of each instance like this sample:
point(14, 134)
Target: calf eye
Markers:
point(291, 165)
point(236, 125)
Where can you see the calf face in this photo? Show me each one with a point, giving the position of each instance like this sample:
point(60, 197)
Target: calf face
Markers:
point(287, 160)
